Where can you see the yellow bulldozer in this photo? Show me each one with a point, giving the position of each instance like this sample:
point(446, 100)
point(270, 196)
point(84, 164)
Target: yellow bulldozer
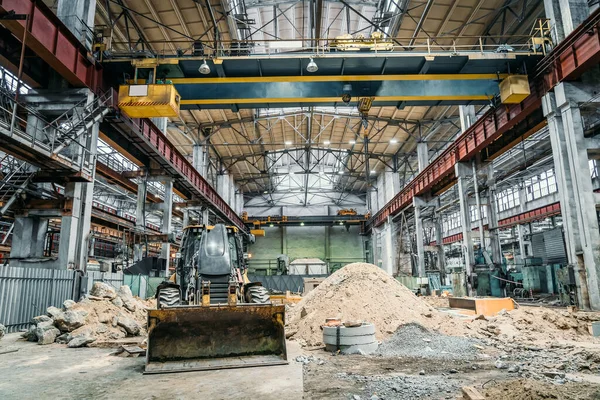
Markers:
point(208, 315)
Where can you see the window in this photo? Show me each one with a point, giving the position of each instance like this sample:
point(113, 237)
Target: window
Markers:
point(541, 185)
point(508, 198)
point(450, 221)
point(475, 213)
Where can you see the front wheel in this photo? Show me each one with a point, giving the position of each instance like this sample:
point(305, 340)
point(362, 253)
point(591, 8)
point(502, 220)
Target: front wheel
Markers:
point(258, 295)
point(168, 296)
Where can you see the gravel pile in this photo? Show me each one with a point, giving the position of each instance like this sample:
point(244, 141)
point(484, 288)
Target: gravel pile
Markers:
point(413, 340)
point(405, 386)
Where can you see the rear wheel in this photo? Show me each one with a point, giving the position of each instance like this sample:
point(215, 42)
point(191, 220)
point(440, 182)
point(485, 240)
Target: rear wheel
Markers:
point(258, 295)
point(168, 297)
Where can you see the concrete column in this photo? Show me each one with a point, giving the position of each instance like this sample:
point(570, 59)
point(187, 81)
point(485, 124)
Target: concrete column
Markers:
point(166, 228)
point(388, 247)
point(29, 235)
point(492, 215)
point(186, 217)
point(422, 155)
point(523, 230)
point(200, 160)
point(467, 117)
point(140, 216)
point(478, 205)
point(462, 172)
point(75, 230)
point(439, 236)
point(565, 16)
point(571, 151)
point(78, 16)
point(417, 204)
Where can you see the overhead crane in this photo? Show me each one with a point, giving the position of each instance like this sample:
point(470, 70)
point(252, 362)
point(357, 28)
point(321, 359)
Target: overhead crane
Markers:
point(500, 128)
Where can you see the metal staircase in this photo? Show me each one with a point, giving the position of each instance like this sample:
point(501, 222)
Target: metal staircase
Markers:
point(59, 144)
point(15, 178)
point(77, 121)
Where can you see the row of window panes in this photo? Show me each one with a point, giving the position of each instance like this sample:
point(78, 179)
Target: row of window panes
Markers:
point(541, 185)
point(508, 199)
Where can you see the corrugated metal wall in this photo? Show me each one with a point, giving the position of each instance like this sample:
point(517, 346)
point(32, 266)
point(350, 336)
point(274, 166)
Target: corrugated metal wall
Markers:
point(27, 292)
point(549, 246)
point(113, 279)
point(281, 283)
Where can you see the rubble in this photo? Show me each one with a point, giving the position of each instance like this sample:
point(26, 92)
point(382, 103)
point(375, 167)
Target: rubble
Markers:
point(70, 320)
point(103, 290)
point(80, 341)
point(96, 317)
point(2, 331)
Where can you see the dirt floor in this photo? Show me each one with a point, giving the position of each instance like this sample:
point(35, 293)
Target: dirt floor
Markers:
point(56, 372)
point(419, 364)
point(370, 377)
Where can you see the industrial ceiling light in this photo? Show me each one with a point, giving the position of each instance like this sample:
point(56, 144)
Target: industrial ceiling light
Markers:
point(341, 223)
point(373, 172)
point(327, 143)
point(271, 225)
point(301, 223)
point(204, 68)
point(288, 142)
point(352, 141)
point(266, 192)
point(312, 66)
point(393, 141)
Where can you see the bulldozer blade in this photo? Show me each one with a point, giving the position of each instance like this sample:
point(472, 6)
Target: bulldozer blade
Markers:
point(196, 338)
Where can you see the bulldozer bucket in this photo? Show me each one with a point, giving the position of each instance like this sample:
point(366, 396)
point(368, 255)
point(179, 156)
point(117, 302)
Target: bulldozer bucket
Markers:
point(195, 338)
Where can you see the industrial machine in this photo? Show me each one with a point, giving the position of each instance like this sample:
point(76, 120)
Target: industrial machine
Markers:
point(209, 316)
point(377, 42)
point(347, 211)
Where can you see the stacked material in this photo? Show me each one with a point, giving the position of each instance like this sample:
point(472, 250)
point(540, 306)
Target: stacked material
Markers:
point(106, 314)
point(358, 292)
point(350, 338)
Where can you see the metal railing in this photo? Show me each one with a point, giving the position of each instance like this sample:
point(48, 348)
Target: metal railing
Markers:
point(538, 42)
point(61, 139)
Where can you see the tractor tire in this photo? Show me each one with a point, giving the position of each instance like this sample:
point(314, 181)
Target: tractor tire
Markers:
point(168, 297)
point(258, 295)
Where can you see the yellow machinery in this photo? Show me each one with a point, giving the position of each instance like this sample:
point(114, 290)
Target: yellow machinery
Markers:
point(360, 43)
point(347, 211)
point(149, 101)
point(151, 97)
point(212, 317)
point(514, 89)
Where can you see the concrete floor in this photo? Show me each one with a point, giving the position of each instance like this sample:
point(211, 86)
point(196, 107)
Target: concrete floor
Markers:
point(57, 372)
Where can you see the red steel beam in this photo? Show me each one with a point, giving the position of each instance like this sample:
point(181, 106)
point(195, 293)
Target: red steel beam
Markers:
point(532, 215)
point(53, 42)
point(529, 216)
point(482, 133)
point(574, 55)
point(569, 60)
point(182, 170)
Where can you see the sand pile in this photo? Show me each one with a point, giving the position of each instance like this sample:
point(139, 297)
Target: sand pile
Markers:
point(360, 292)
point(106, 314)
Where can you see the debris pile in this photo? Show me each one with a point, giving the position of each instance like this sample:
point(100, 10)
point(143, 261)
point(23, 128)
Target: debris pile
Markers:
point(359, 292)
point(522, 389)
point(2, 331)
point(535, 325)
point(105, 314)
